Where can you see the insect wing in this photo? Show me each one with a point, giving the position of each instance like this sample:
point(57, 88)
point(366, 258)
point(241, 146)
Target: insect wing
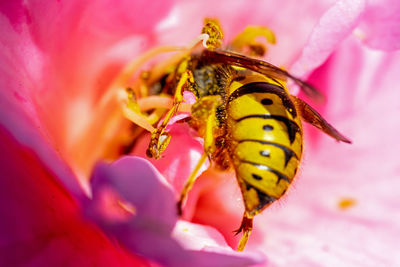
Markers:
point(262, 67)
point(311, 116)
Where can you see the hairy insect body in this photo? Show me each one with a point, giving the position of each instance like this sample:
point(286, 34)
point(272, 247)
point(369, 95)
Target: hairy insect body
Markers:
point(257, 127)
point(246, 116)
point(264, 141)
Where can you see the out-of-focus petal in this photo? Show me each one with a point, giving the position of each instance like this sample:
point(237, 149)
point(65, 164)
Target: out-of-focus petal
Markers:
point(313, 225)
point(333, 27)
point(138, 183)
point(219, 204)
point(41, 224)
point(148, 229)
point(180, 157)
point(363, 104)
point(20, 65)
point(196, 236)
point(380, 28)
point(51, 66)
point(376, 23)
point(200, 237)
point(178, 162)
point(186, 19)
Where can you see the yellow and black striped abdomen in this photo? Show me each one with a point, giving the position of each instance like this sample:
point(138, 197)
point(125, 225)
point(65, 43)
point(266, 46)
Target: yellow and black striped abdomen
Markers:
point(265, 142)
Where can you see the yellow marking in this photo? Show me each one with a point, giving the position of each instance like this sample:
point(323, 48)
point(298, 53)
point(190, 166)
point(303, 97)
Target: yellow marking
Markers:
point(250, 198)
point(250, 79)
point(276, 159)
point(252, 128)
point(269, 183)
point(346, 203)
point(250, 104)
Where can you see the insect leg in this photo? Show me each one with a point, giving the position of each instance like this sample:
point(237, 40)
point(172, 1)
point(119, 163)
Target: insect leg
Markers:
point(204, 112)
point(189, 183)
point(311, 116)
point(246, 226)
point(159, 137)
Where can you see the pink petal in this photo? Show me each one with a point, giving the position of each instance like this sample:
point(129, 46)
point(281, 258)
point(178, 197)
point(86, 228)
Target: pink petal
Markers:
point(380, 28)
point(148, 231)
point(185, 22)
point(40, 223)
point(180, 157)
point(14, 12)
point(138, 183)
point(333, 27)
point(219, 204)
point(178, 162)
point(310, 225)
point(54, 74)
point(196, 236)
point(19, 117)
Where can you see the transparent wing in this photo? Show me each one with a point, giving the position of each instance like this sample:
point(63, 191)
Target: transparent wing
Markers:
point(311, 116)
point(262, 67)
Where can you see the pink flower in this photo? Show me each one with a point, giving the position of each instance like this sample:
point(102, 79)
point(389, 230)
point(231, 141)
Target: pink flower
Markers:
point(59, 58)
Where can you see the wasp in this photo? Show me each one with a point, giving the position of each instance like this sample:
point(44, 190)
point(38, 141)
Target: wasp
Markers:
point(244, 112)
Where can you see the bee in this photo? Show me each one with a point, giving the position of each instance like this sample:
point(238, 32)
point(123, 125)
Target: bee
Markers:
point(244, 112)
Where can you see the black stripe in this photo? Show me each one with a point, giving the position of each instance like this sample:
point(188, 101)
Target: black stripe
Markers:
point(264, 198)
point(291, 126)
point(264, 87)
point(281, 176)
point(288, 152)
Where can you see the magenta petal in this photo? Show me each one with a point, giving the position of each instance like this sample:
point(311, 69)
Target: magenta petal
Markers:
point(14, 11)
point(380, 28)
point(51, 71)
point(20, 70)
point(40, 223)
point(28, 132)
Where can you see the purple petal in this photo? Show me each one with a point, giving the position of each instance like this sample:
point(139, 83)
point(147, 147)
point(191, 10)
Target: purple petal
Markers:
point(148, 229)
point(137, 182)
